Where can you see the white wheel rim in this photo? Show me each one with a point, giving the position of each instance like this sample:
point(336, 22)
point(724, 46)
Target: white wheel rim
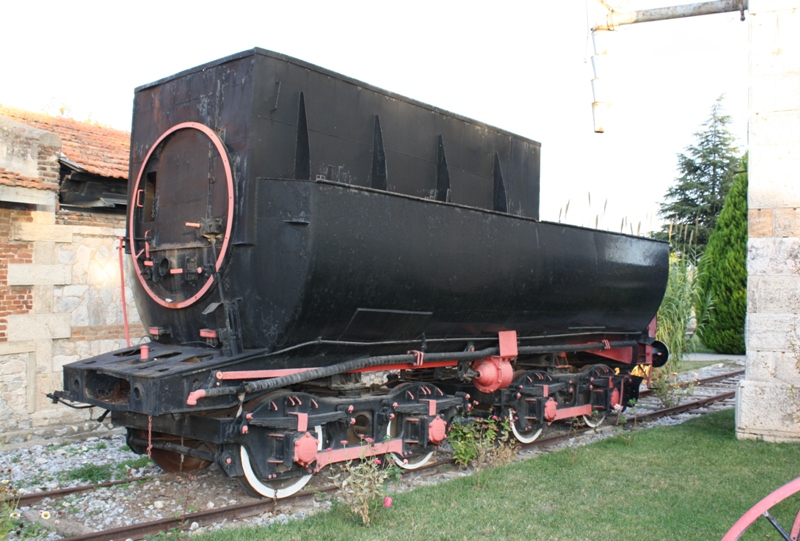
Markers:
point(522, 438)
point(266, 490)
point(403, 462)
point(591, 423)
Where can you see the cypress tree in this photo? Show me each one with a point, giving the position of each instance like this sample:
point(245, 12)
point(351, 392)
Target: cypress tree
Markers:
point(706, 173)
point(723, 272)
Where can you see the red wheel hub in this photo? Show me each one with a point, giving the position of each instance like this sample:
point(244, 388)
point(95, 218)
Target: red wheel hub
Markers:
point(305, 449)
point(493, 373)
point(437, 431)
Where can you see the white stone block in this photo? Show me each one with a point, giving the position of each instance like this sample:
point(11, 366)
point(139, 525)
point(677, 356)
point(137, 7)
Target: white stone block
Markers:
point(35, 275)
point(773, 256)
point(34, 232)
point(16, 347)
point(761, 7)
point(768, 411)
point(28, 196)
point(44, 355)
point(112, 233)
point(22, 327)
point(774, 92)
point(75, 291)
point(776, 294)
point(773, 42)
point(768, 366)
point(772, 332)
point(60, 360)
point(774, 175)
point(769, 128)
point(43, 299)
point(44, 252)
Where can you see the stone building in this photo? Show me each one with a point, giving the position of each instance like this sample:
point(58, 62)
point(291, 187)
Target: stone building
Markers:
point(62, 211)
point(768, 400)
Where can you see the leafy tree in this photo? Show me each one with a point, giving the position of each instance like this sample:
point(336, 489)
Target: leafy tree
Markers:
point(706, 173)
point(723, 272)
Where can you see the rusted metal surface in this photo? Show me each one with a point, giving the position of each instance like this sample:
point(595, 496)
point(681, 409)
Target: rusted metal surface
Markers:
point(615, 19)
point(36, 497)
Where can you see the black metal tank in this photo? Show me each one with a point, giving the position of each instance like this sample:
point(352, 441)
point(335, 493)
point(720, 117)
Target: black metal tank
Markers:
point(324, 208)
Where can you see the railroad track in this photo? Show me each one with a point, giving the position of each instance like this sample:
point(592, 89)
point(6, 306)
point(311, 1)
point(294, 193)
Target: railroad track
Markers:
point(720, 386)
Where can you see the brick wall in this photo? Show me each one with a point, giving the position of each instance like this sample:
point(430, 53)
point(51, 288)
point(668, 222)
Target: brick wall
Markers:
point(13, 299)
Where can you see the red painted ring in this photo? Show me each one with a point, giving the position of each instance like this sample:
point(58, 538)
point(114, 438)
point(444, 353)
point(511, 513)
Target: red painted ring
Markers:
point(229, 225)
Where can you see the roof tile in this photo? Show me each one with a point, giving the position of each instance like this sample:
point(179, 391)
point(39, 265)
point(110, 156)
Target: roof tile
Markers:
point(97, 149)
point(10, 178)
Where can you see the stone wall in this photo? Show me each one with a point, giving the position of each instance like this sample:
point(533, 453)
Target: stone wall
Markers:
point(768, 399)
point(60, 295)
point(75, 312)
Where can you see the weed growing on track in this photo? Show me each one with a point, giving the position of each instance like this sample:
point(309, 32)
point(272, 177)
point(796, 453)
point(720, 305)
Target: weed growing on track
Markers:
point(668, 388)
point(362, 484)
point(480, 442)
point(94, 473)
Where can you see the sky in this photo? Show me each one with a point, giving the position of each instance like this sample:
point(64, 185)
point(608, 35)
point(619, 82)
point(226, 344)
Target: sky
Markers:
point(523, 66)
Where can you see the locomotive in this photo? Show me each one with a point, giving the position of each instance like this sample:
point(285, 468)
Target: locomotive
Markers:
point(290, 230)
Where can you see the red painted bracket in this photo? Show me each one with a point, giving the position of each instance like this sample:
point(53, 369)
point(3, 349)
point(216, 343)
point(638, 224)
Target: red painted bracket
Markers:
point(302, 420)
point(508, 344)
point(358, 451)
point(431, 405)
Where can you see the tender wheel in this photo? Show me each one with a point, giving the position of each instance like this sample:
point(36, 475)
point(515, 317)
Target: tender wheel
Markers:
point(173, 462)
point(277, 489)
point(527, 436)
point(523, 380)
point(593, 422)
point(411, 462)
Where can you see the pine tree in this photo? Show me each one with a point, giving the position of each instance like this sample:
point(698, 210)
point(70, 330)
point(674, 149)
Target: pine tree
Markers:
point(706, 173)
point(723, 272)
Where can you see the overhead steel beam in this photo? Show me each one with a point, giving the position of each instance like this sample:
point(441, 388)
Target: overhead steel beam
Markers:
point(616, 19)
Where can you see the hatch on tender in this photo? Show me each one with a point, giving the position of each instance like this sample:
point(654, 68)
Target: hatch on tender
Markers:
point(182, 214)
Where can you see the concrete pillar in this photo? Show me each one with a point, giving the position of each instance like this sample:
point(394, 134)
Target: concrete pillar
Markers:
point(768, 399)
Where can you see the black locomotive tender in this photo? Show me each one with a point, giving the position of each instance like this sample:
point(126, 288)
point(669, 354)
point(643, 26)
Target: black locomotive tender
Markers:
point(290, 229)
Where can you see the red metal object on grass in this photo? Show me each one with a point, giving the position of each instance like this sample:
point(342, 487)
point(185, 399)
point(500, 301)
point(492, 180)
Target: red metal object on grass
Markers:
point(762, 509)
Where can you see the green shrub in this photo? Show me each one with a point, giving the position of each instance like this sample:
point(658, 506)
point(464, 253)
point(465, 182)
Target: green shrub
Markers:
point(723, 272)
point(684, 308)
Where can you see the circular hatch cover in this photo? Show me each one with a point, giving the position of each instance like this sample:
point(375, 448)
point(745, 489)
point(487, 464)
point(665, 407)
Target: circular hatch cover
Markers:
point(181, 215)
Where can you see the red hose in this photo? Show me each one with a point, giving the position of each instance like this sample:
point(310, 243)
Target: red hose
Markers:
point(122, 286)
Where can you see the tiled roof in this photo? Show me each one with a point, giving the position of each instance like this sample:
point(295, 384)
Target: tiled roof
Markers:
point(10, 178)
point(98, 150)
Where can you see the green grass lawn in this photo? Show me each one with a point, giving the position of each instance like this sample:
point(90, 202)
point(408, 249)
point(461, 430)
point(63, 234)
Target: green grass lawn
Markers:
point(685, 482)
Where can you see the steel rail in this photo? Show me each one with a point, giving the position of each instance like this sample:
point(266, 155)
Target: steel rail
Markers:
point(700, 381)
point(36, 497)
